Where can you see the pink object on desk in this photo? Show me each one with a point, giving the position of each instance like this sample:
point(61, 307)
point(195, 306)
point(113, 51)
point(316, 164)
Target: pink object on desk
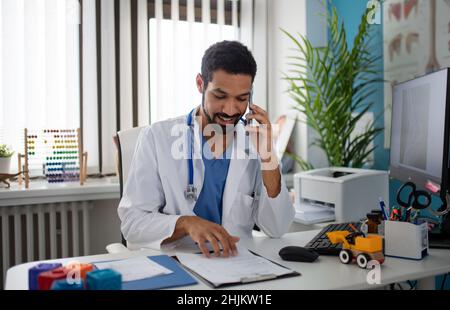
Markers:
point(433, 187)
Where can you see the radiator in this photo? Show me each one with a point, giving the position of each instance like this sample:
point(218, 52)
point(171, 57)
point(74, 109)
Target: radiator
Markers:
point(43, 231)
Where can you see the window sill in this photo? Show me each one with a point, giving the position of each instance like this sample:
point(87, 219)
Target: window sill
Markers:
point(43, 192)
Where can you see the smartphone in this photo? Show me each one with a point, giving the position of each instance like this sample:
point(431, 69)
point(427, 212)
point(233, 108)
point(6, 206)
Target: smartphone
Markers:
point(249, 107)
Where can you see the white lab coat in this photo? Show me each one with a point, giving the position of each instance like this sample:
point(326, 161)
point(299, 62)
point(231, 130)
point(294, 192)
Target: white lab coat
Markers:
point(153, 196)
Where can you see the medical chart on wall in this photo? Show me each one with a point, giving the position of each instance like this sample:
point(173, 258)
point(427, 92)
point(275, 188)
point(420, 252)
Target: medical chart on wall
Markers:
point(416, 41)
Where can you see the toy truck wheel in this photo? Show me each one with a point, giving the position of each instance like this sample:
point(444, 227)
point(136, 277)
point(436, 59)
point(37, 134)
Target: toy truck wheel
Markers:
point(345, 256)
point(362, 260)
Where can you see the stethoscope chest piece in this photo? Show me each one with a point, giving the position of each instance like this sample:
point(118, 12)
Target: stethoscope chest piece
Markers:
point(190, 192)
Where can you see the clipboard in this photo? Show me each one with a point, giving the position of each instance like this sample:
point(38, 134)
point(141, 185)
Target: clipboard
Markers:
point(247, 280)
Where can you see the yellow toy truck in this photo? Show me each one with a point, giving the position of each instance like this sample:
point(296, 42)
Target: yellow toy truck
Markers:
point(355, 246)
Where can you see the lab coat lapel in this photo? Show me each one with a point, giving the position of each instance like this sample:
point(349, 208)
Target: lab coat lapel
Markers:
point(199, 167)
point(238, 166)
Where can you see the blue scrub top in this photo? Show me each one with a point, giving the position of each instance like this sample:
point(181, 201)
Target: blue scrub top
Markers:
point(209, 202)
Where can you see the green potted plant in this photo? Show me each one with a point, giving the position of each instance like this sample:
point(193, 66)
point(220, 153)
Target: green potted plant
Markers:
point(5, 158)
point(331, 86)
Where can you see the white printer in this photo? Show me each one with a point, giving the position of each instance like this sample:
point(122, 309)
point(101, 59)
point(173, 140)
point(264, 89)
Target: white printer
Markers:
point(338, 194)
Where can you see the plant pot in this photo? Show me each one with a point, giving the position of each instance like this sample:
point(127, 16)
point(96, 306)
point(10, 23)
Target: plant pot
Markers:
point(5, 163)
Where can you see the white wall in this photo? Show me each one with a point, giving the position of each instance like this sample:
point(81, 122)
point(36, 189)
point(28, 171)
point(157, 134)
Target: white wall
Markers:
point(291, 16)
point(294, 16)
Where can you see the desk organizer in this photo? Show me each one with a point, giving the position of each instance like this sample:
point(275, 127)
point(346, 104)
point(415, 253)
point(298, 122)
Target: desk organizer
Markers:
point(406, 240)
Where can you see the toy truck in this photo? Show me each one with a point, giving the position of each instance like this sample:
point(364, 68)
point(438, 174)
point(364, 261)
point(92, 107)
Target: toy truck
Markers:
point(356, 246)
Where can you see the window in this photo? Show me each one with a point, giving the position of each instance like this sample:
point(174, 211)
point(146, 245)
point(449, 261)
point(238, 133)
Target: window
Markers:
point(180, 32)
point(39, 67)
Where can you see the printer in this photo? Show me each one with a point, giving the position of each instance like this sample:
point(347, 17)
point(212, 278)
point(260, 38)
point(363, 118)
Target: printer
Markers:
point(338, 194)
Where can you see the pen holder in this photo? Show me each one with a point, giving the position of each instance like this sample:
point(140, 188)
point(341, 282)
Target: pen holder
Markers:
point(406, 240)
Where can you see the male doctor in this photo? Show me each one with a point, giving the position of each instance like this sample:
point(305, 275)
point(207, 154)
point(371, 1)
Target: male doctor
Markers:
point(220, 187)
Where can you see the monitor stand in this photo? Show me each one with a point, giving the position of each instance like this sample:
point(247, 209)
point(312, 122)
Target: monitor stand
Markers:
point(441, 240)
point(438, 241)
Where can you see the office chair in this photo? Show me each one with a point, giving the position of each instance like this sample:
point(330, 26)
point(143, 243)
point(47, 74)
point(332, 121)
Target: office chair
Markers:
point(126, 143)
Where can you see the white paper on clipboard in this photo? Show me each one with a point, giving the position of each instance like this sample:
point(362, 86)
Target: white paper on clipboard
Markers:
point(237, 269)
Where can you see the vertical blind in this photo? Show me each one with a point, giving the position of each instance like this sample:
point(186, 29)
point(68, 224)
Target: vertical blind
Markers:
point(115, 75)
point(39, 67)
point(180, 32)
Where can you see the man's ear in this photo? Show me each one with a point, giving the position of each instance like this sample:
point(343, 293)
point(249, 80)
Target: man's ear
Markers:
point(199, 82)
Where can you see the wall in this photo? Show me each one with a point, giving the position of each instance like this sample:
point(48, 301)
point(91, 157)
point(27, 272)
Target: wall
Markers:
point(302, 17)
point(351, 16)
point(291, 16)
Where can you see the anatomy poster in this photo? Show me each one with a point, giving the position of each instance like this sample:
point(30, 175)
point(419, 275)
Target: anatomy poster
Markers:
point(416, 42)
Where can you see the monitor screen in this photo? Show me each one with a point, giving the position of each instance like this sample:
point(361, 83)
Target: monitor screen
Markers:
point(419, 135)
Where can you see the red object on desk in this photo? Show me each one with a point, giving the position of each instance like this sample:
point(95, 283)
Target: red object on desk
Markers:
point(46, 279)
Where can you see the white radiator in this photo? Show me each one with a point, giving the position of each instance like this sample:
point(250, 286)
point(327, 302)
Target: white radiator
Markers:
point(43, 231)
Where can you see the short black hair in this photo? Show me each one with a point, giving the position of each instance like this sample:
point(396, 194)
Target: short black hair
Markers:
point(231, 56)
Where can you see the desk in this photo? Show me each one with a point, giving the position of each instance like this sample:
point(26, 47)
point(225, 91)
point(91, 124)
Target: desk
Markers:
point(325, 273)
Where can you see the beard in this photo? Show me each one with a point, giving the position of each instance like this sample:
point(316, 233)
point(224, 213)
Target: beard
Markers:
point(226, 122)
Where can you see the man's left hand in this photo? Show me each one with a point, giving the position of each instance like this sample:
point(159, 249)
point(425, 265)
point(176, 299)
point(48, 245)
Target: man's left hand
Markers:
point(261, 136)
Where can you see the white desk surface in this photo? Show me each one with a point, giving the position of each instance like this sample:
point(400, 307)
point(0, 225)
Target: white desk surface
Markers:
point(327, 272)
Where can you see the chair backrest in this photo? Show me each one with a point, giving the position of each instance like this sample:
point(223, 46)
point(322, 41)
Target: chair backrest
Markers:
point(126, 143)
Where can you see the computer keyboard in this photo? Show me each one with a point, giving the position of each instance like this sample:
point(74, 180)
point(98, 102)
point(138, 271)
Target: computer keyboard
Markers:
point(322, 245)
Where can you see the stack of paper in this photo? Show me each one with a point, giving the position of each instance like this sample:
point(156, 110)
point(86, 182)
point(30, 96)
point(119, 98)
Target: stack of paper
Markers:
point(245, 267)
point(310, 213)
point(135, 268)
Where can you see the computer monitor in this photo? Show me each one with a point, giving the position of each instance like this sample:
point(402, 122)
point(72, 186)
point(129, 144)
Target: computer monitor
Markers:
point(420, 139)
point(420, 130)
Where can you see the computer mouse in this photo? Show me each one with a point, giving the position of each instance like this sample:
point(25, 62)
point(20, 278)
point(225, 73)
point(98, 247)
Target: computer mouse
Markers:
point(298, 254)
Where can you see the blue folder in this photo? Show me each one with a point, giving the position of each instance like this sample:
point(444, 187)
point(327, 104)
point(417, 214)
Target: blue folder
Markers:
point(179, 277)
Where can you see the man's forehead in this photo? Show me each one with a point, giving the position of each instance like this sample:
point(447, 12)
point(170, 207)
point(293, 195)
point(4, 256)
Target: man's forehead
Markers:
point(239, 84)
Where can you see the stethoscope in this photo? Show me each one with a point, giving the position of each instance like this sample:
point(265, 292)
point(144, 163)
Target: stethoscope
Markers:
point(190, 193)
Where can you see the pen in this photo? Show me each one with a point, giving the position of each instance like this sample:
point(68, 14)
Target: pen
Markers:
point(383, 208)
point(408, 214)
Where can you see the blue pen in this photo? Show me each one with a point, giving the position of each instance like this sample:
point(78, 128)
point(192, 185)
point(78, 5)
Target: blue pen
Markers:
point(383, 208)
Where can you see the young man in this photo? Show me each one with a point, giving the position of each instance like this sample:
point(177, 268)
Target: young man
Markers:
point(210, 184)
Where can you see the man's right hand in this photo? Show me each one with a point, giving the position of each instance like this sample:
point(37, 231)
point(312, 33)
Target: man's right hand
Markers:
point(202, 231)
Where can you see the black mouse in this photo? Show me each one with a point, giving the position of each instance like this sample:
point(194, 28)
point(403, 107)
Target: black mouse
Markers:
point(298, 254)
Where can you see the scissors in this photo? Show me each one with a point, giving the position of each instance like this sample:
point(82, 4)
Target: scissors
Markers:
point(417, 199)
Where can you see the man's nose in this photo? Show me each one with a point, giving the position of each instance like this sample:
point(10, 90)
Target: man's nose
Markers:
point(230, 109)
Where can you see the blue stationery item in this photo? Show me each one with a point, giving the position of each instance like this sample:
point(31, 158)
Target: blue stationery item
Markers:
point(63, 285)
point(104, 279)
point(383, 208)
point(179, 277)
point(34, 272)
